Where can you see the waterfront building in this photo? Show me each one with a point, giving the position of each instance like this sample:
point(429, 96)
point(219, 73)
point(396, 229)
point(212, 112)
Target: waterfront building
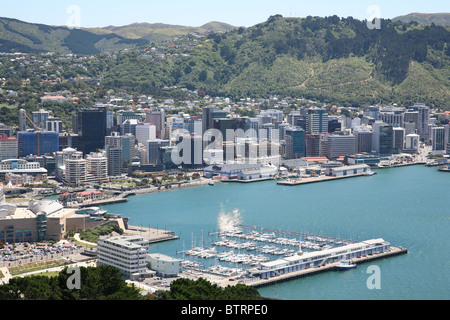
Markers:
point(20, 167)
point(340, 145)
point(9, 147)
point(41, 220)
point(386, 138)
point(295, 143)
point(97, 167)
point(412, 143)
point(229, 171)
point(369, 159)
point(317, 120)
point(127, 253)
point(75, 169)
point(264, 172)
point(398, 139)
point(438, 139)
point(165, 266)
point(306, 260)
point(346, 171)
point(114, 156)
point(312, 144)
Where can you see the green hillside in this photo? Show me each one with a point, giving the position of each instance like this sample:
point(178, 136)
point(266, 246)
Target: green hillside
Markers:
point(19, 36)
point(329, 59)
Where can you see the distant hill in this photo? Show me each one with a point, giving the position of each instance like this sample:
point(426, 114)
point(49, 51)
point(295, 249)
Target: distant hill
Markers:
point(333, 60)
point(19, 36)
point(159, 31)
point(440, 19)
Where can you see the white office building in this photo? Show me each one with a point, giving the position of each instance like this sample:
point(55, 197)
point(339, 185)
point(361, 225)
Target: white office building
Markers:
point(145, 132)
point(127, 253)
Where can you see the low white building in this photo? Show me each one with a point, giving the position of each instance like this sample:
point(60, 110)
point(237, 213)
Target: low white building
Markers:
point(164, 266)
point(348, 170)
point(264, 172)
point(127, 253)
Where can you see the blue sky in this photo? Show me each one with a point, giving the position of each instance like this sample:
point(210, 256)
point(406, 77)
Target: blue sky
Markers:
point(101, 13)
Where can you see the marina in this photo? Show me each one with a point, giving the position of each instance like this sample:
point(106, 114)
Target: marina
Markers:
point(356, 214)
point(260, 256)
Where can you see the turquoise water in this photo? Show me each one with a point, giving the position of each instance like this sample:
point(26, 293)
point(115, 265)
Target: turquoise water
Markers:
point(406, 206)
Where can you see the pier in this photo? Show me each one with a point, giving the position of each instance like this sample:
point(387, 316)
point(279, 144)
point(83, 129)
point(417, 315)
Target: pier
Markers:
point(395, 251)
point(299, 181)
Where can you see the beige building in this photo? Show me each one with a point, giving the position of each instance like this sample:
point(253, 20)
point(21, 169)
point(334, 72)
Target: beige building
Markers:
point(40, 220)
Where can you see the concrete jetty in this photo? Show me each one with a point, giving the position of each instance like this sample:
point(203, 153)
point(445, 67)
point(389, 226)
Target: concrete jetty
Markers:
point(395, 251)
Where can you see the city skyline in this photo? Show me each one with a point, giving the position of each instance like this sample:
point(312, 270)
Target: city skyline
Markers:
point(199, 12)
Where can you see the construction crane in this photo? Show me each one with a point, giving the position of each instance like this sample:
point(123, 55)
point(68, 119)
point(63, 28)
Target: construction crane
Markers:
point(38, 131)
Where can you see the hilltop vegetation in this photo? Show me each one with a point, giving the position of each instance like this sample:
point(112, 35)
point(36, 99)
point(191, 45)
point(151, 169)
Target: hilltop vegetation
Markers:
point(333, 60)
point(440, 19)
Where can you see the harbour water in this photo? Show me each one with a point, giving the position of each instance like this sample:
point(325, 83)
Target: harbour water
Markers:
point(407, 206)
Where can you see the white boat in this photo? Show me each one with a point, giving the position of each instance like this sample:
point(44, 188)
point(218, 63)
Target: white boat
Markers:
point(345, 265)
point(370, 173)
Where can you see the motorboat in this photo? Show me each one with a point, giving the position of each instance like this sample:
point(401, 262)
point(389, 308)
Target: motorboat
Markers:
point(345, 265)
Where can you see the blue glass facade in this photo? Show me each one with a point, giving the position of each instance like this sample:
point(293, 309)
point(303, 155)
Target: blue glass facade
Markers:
point(37, 143)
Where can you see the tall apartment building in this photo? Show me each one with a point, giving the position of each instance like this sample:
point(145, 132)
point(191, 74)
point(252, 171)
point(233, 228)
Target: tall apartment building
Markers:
point(97, 167)
point(392, 115)
point(127, 253)
point(75, 169)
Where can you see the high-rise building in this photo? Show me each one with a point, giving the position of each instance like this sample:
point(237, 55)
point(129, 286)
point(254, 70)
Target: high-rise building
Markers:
point(386, 139)
point(312, 143)
point(40, 118)
point(423, 120)
point(398, 139)
point(92, 129)
point(145, 132)
point(295, 143)
point(363, 140)
point(154, 152)
point(438, 139)
point(75, 169)
point(9, 147)
point(317, 120)
point(22, 120)
point(340, 145)
point(97, 167)
point(392, 115)
point(158, 118)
